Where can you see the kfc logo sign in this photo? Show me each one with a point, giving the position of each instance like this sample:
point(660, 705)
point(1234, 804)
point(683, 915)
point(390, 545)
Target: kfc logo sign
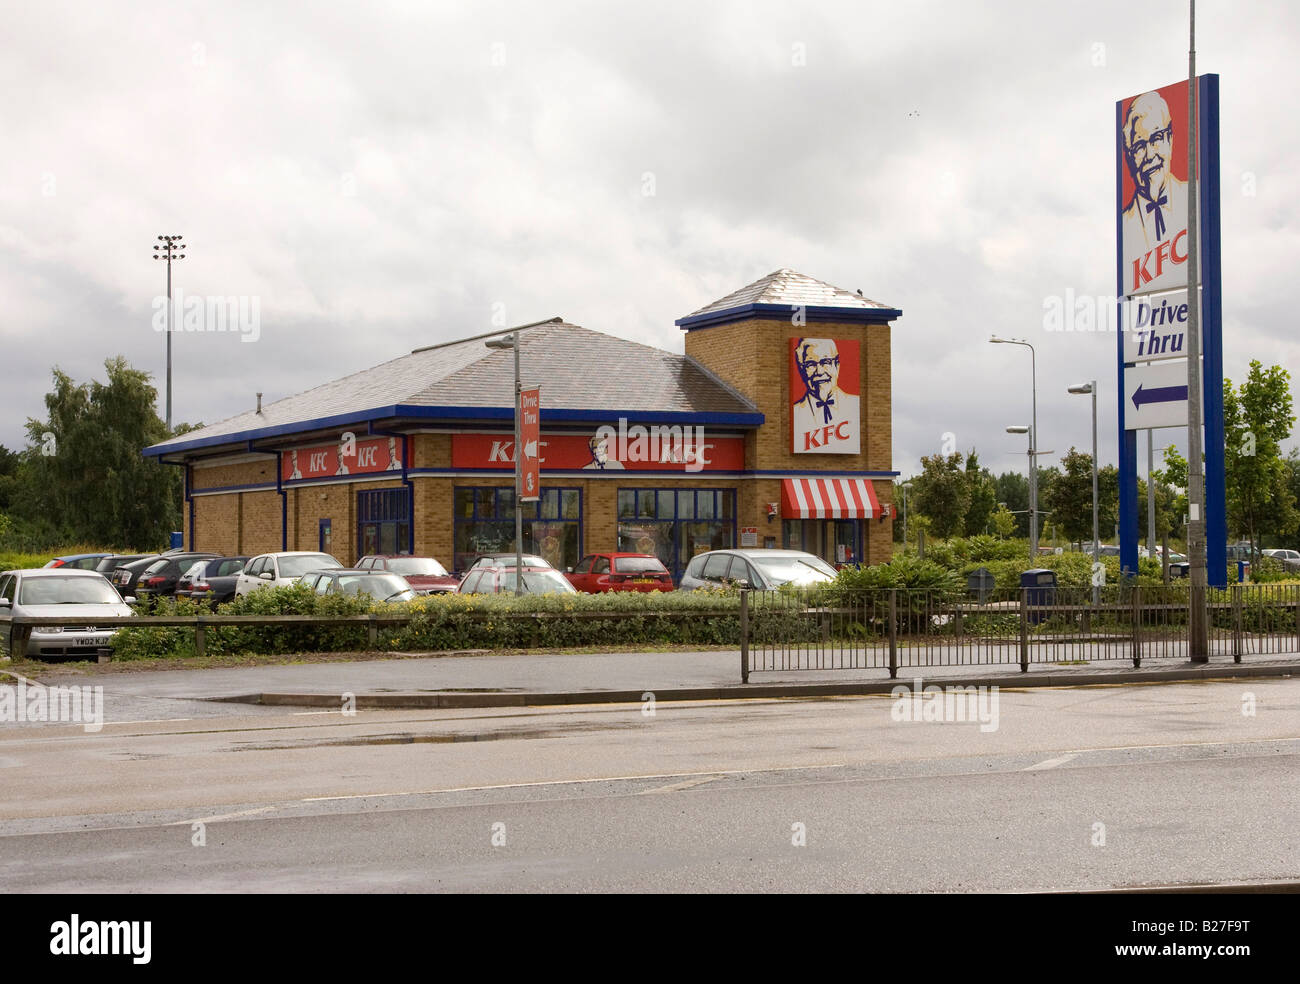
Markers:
point(1153, 220)
point(825, 412)
point(347, 456)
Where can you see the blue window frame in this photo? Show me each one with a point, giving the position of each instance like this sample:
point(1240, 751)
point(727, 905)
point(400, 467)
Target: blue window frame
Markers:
point(676, 524)
point(383, 522)
point(484, 522)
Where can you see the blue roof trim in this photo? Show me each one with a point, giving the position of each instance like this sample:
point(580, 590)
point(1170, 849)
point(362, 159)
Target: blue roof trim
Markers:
point(450, 413)
point(781, 312)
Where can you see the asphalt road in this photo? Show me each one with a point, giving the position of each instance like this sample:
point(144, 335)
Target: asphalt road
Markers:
point(1095, 787)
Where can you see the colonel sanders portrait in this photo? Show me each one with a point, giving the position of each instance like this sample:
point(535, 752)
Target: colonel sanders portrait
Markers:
point(394, 460)
point(598, 445)
point(1157, 212)
point(825, 419)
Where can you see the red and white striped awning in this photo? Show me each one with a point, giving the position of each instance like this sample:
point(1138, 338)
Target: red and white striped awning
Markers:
point(828, 498)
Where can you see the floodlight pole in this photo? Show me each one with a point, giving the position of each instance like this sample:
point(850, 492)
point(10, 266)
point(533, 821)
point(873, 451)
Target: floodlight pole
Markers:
point(171, 249)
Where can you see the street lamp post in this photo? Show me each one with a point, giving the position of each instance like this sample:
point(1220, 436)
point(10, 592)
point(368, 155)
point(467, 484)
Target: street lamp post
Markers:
point(511, 341)
point(1033, 451)
point(1086, 389)
point(171, 248)
point(1033, 486)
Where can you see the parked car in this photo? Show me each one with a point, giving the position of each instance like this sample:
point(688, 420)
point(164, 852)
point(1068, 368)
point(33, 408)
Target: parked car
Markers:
point(597, 573)
point(380, 585)
point(761, 569)
point(1290, 559)
point(107, 565)
point(507, 559)
point(500, 579)
point(63, 592)
point(424, 574)
point(159, 579)
point(81, 562)
point(212, 581)
point(126, 575)
point(271, 570)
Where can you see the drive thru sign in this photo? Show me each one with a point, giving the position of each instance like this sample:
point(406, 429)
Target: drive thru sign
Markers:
point(530, 469)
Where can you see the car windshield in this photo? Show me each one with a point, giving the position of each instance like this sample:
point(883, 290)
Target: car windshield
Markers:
point(378, 586)
point(300, 565)
point(195, 569)
point(495, 560)
point(416, 566)
point(803, 569)
point(67, 591)
point(154, 568)
point(639, 565)
point(537, 582)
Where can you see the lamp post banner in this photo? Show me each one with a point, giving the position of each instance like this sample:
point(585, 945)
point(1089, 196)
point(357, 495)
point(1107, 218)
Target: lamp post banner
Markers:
point(530, 473)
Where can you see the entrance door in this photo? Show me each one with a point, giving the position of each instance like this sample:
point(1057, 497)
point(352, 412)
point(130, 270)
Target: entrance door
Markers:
point(836, 541)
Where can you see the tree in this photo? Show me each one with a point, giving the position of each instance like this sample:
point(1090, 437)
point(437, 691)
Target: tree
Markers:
point(1257, 418)
point(83, 477)
point(1004, 523)
point(983, 496)
point(1069, 497)
point(941, 493)
point(1013, 489)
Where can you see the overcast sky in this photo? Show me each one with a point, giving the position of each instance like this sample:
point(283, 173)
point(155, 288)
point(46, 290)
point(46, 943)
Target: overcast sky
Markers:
point(385, 175)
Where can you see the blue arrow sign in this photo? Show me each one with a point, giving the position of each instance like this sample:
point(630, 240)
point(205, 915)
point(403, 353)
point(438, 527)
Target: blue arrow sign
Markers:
point(1159, 394)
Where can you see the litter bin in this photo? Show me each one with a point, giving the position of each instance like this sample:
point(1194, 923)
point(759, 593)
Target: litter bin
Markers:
point(979, 584)
point(177, 541)
point(1243, 571)
point(1041, 585)
point(1180, 569)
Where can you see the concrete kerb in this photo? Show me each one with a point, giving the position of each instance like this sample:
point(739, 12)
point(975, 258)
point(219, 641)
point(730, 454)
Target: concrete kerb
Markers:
point(751, 691)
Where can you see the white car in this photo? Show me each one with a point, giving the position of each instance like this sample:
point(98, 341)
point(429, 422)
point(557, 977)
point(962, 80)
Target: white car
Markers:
point(61, 592)
point(761, 569)
point(272, 570)
point(1289, 559)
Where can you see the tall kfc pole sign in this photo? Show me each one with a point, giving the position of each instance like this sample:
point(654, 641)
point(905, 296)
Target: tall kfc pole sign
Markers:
point(1157, 286)
point(530, 435)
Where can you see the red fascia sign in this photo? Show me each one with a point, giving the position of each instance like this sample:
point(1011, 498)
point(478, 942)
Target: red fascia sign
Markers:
point(634, 451)
point(346, 456)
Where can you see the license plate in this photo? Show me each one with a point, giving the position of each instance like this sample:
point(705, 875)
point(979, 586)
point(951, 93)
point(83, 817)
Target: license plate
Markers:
point(99, 640)
point(643, 580)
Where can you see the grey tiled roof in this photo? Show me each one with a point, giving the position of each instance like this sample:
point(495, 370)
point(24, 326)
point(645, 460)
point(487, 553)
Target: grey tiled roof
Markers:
point(790, 287)
point(576, 368)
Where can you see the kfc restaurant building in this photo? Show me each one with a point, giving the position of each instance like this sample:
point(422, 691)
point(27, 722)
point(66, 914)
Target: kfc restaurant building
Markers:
point(772, 430)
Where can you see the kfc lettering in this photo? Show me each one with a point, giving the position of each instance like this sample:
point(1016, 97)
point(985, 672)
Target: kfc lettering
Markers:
point(1163, 253)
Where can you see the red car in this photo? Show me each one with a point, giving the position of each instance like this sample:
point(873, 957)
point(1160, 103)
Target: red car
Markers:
point(620, 572)
point(424, 574)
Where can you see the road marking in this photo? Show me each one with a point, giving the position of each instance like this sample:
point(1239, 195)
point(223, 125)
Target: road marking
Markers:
point(150, 721)
point(1051, 763)
point(223, 816)
point(675, 787)
point(715, 774)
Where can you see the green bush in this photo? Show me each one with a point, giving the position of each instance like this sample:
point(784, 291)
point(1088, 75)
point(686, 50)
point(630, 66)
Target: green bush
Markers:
point(456, 621)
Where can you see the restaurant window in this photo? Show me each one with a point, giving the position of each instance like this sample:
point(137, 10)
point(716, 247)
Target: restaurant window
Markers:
point(384, 522)
point(484, 520)
point(676, 524)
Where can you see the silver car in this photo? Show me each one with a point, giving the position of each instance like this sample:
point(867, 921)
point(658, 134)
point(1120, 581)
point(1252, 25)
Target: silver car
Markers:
point(63, 593)
point(762, 570)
